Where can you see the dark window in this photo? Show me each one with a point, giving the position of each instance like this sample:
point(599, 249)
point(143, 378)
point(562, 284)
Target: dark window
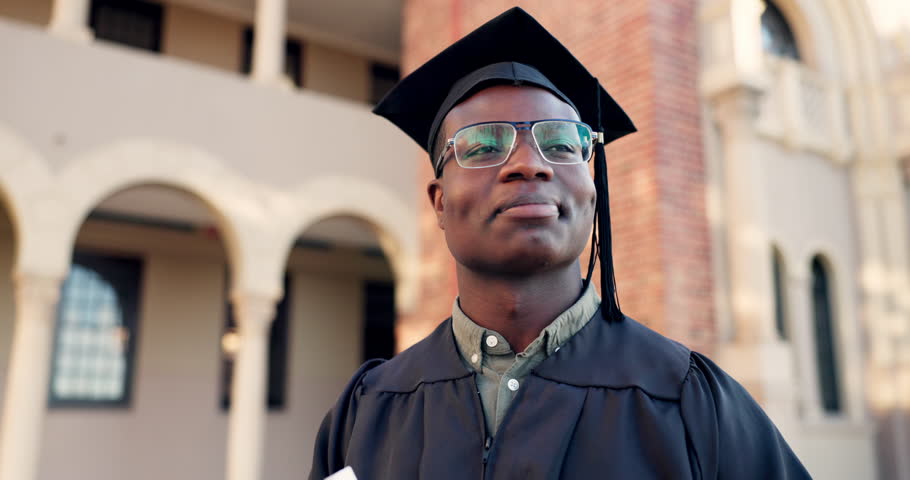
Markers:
point(825, 345)
point(379, 320)
point(780, 299)
point(383, 78)
point(278, 353)
point(95, 335)
point(128, 22)
point(293, 57)
point(777, 37)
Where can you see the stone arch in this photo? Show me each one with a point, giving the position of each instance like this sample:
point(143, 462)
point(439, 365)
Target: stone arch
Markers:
point(833, 269)
point(847, 50)
point(22, 171)
point(835, 263)
point(853, 33)
point(837, 38)
point(834, 36)
point(393, 222)
point(100, 173)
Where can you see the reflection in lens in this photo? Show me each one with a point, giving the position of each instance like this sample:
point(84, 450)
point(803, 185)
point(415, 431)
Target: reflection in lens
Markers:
point(483, 145)
point(563, 142)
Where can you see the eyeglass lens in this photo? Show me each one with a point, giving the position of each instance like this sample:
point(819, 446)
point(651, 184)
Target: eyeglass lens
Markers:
point(490, 144)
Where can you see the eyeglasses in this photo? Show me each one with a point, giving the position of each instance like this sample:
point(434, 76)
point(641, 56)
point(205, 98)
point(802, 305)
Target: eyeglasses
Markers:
point(489, 144)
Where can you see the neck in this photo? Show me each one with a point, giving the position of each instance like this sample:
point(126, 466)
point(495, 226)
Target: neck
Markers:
point(518, 308)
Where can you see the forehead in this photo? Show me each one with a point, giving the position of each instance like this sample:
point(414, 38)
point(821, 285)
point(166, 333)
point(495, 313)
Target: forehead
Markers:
point(510, 103)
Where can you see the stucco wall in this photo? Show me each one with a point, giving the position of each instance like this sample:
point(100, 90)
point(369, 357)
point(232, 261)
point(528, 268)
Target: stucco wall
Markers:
point(838, 451)
point(269, 160)
point(268, 136)
point(809, 201)
point(175, 427)
point(202, 37)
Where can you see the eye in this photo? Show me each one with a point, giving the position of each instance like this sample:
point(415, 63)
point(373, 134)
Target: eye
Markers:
point(560, 148)
point(475, 150)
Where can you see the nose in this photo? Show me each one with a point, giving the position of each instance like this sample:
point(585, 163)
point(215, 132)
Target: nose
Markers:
point(525, 162)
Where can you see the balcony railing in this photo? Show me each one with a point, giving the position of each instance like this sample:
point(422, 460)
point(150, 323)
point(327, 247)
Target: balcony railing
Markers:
point(68, 97)
point(805, 110)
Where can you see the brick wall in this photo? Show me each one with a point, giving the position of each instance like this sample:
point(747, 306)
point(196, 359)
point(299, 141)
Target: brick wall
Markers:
point(644, 52)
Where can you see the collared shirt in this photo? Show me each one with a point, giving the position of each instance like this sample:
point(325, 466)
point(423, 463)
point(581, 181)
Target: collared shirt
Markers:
point(500, 371)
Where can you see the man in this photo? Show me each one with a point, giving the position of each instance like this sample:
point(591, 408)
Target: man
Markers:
point(510, 120)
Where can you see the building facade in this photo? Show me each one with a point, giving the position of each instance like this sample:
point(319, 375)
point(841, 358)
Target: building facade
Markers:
point(205, 231)
point(162, 207)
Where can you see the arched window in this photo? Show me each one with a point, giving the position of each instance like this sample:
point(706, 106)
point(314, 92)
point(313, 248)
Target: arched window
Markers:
point(780, 299)
point(96, 332)
point(776, 35)
point(825, 339)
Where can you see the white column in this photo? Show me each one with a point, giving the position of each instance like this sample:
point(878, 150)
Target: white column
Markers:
point(885, 307)
point(69, 19)
point(29, 369)
point(747, 219)
point(246, 425)
point(268, 43)
point(755, 356)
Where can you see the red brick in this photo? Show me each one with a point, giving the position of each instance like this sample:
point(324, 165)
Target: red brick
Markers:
point(644, 52)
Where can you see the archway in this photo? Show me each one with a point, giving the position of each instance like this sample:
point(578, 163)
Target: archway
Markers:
point(136, 344)
point(340, 312)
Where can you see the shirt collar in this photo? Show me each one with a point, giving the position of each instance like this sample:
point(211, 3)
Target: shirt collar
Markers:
point(472, 339)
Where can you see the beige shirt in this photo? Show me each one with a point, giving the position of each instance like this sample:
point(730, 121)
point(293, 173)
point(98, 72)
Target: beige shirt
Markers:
point(500, 371)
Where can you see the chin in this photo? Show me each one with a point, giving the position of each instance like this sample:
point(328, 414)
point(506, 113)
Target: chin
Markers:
point(520, 254)
point(518, 262)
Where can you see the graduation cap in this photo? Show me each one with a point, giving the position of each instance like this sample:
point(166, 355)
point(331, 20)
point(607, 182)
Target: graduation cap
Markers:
point(514, 48)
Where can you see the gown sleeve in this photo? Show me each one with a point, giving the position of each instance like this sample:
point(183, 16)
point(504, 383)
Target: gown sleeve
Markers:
point(334, 434)
point(729, 433)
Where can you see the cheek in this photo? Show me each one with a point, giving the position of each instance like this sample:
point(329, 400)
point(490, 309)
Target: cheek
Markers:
point(458, 206)
point(463, 198)
point(583, 191)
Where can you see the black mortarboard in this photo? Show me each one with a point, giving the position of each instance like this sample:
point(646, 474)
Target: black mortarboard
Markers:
point(514, 48)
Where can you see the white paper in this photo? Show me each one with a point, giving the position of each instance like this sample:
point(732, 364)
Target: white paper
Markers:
point(346, 473)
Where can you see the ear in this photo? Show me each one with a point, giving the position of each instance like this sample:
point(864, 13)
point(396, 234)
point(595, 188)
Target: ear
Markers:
point(435, 194)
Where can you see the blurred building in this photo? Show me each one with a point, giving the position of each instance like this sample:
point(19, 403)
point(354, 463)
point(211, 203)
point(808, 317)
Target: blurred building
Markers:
point(205, 231)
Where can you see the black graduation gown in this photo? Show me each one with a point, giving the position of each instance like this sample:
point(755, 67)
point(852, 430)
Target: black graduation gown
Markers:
point(617, 401)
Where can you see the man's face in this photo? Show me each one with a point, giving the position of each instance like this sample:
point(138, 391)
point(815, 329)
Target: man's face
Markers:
point(524, 216)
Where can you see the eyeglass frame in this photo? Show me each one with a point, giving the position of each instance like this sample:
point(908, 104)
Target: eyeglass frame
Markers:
point(596, 137)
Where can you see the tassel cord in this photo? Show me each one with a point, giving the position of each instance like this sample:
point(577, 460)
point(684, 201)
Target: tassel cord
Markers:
point(602, 240)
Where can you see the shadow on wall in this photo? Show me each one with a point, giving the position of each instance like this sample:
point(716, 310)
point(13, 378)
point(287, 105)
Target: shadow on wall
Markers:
point(7, 255)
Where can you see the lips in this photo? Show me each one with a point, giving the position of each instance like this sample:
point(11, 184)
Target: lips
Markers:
point(529, 207)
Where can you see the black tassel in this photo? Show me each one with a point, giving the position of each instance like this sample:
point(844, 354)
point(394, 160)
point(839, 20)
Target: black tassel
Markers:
point(602, 240)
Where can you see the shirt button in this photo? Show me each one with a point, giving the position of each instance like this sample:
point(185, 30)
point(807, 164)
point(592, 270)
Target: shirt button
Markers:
point(492, 341)
point(513, 384)
point(475, 358)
